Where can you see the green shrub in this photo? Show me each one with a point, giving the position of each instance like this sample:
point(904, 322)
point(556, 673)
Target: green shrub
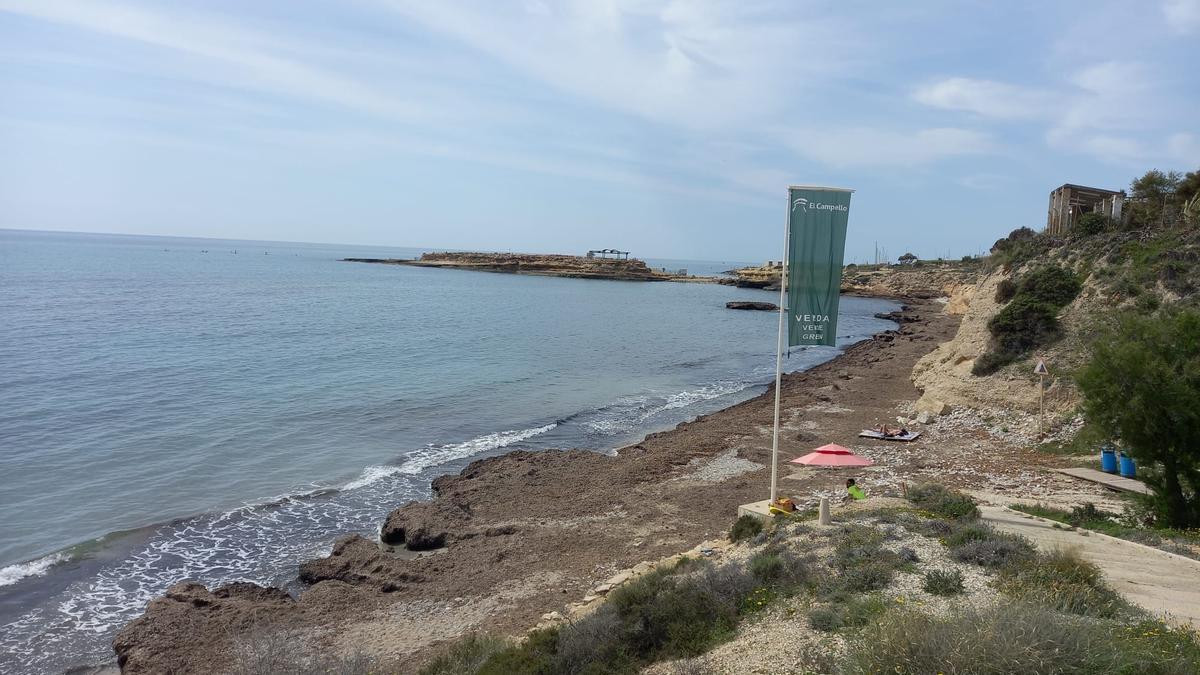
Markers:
point(1053, 285)
point(465, 656)
point(1031, 317)
point(780, 568)
point(1023, 324)
point(944, 502)
point(943, 582)
point(851, 613)
point(1062, 581)
point(1017, 639)
point(825, 618)
point(744, 528)
point(869, 576)
point(1005, 290)
point(981, 545)
point(533, 656)
point(1090, 224)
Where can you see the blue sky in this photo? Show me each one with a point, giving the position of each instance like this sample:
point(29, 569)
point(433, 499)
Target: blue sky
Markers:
point(667, 128)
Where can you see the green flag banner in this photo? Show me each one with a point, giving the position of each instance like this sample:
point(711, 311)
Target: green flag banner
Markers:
point(817, 218)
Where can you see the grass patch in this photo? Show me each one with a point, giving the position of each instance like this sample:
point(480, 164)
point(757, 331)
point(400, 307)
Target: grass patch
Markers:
point(1062, 581)
point(465, 656)
point(1018, 639)
point(943, 502)
point(670, 613)
point(943, 582)
point(853, 613)
point(982, 545)
point(1088, 517)
point(745, 527)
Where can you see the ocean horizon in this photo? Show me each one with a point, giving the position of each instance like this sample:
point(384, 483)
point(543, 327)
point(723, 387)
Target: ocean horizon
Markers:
point(221, 410)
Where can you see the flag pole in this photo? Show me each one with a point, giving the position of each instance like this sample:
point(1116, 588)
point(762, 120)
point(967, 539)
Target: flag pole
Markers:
point(783, 278)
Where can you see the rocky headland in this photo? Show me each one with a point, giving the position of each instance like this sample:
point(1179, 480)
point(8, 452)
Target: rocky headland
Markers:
point(551, 265)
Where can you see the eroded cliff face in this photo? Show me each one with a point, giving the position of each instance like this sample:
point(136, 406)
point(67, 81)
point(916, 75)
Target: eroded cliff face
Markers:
point(944, 375)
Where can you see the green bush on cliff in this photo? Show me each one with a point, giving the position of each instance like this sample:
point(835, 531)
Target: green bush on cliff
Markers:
point(1030, 319)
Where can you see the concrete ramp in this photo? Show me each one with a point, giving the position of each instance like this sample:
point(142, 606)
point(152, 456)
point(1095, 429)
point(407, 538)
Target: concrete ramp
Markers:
point(1160, 582)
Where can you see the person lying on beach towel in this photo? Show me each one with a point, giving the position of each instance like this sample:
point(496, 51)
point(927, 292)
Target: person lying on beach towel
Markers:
point(900, 434)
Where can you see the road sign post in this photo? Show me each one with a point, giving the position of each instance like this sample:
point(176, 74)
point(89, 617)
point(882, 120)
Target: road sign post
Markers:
point(1041, 371)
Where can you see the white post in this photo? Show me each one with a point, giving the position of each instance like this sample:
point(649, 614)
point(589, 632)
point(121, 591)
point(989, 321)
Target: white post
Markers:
point(779, 349)
point(1041, 404)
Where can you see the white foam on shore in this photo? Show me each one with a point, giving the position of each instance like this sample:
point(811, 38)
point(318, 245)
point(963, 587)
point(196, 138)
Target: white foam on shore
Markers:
point(34, 568)
point(434, 455)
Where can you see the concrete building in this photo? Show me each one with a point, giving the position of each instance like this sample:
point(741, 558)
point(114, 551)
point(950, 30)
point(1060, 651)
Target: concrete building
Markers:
point(1069, 202)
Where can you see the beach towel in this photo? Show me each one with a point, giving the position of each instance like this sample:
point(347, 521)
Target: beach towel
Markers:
point(871, 433)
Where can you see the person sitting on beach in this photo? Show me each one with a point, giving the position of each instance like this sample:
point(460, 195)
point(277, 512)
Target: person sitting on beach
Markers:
point(853, 492)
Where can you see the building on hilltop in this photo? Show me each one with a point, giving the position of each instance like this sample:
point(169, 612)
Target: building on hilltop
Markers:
point(605, 252)
point(1069, 202)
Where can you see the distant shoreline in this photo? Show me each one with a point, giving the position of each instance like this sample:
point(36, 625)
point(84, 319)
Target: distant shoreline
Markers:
point(549, 265)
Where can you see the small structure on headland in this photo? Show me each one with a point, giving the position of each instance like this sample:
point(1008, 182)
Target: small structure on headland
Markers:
point(605, 252)
point(1069, 202)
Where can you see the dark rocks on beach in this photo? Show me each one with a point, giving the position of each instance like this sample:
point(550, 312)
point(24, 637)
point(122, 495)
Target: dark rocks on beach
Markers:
point(174, 618)
point(745, 304)
point(422, 526)
point(358, 561)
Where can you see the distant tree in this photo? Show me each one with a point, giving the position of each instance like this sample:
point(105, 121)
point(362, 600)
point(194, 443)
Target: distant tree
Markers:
point(1188, 187)
point(1187, 194)
point(1151, 195)
point(907, 259)
point(1143, 387)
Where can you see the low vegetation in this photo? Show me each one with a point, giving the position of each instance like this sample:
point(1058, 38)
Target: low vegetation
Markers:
point(1127, 525)
point(943, 502)
point(943, 582)
point(1057, 614)
point(745, 527)
point(1030, 319)
point(1142, 385)
point(1019, 638)
point(1062, 581)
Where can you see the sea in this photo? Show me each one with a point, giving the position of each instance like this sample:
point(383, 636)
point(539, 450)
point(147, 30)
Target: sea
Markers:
point(219, 410)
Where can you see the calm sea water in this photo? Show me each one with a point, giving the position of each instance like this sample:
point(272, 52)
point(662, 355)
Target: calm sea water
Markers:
point(222, 410)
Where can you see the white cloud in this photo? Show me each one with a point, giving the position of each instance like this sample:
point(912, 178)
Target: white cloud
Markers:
point(1183, 16)
point(866, 147)
point(244, 58)
point(699, 64)
point(985, 97)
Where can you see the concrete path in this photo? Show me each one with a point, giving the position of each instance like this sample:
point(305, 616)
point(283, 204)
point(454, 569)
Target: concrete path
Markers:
point(1108, 480)
point(1160, 582)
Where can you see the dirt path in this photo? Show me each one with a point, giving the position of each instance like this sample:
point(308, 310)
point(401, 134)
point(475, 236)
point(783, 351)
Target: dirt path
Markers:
point(1155, 580)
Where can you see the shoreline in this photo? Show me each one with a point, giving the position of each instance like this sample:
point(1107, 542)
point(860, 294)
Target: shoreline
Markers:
point(505, 515)
point(528, 533)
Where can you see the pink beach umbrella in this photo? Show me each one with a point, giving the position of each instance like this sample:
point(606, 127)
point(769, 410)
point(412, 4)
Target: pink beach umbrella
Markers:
point(833, 455)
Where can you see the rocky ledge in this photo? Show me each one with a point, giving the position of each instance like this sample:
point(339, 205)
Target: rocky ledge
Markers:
point(747, 304)
point(554, 265)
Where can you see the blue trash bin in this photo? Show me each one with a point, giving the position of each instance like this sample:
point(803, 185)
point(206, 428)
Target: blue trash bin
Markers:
point(1128, 468)
point(1108, 460)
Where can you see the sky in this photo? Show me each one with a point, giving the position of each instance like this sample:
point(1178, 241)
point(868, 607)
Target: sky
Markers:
point(670, 129)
